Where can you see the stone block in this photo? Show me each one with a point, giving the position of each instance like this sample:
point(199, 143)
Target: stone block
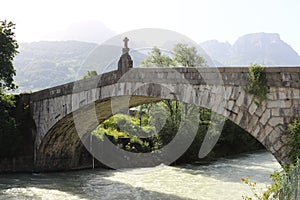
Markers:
point(235, 109)
point(204, 97)
point(274, 121)
point(228, 92)
point(268, 129)
point(261, 109)
point(255, 131)
point(241, 98)
point(284, 138)
point(272, 149)
point(253, 121)
point(275, 112)
point(229, 104)
point(239, 117)
point(252, 108)
point(265, 117)
point(236, 92)
point(295, 93)
point(271, 96)
point(281, 95)
point(285, 112)
point(274, 136)
point(261, 137)
point(273, 90)
point(278, 145)
point(248, 100)
point(279, 104)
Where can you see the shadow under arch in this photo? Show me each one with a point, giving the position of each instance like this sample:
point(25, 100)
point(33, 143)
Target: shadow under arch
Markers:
point(62, 148)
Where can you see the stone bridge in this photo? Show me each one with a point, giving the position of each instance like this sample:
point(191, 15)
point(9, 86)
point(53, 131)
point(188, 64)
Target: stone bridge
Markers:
point(65, 114)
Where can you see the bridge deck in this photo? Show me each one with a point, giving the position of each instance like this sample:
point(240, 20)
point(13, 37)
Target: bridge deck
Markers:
point(276, 77)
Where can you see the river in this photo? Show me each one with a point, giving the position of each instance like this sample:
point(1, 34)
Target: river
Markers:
point(217, 180)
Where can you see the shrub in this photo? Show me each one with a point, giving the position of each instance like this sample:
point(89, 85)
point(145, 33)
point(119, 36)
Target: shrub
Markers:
point(294, 139)
point(257, 82)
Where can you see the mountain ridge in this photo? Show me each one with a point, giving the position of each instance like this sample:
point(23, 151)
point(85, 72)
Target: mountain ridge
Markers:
point(46, 64)
point(261, 48)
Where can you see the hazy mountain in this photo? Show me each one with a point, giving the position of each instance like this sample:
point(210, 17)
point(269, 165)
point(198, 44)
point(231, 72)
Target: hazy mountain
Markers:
point(216, 50)
point(90, 31)
point(261, 48)
point(41, 65)
point(45, 64)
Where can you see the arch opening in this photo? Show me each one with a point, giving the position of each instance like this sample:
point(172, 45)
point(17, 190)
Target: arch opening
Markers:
point(62, 148)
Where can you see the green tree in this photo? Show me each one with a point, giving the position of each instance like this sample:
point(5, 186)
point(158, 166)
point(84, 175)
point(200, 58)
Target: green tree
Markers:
point(294, 139)
point(188, 56)
point(156, 59)
point(8, 127)
point(172, 121)
point(8, 50)
point(9, 135)
point(89, 74)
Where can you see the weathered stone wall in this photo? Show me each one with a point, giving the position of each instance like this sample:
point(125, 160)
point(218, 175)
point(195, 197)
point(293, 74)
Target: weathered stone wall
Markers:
point(56, 111)
point(19, 164)
point(276, 77)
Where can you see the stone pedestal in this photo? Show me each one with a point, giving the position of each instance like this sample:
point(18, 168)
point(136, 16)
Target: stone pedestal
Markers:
point(125, 62)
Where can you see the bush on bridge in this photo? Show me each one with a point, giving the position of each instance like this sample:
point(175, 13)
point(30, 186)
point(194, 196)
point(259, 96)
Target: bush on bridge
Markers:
point(257, 82)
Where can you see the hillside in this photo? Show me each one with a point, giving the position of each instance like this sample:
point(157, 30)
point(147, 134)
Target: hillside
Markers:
point(261, 48)
point(44, 64)
point(41, 65)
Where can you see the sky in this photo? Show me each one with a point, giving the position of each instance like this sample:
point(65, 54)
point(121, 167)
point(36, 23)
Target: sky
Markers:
point(200, 20)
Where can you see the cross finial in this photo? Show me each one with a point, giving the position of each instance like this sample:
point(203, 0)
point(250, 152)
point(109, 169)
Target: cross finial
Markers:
point(125, 42)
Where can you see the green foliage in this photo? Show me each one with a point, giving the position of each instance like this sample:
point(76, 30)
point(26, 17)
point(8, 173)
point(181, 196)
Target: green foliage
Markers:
point(8, 50)
point(294, 140)
point(136, 144)
point(285, 185)
point(188, 56)
point(183, 54)
point(124, 126)
point(9, 135)
point(172, 121)
point(40, 65)
point(257, 82)
point(156, 59)
point(89, 74)
point(286, 182)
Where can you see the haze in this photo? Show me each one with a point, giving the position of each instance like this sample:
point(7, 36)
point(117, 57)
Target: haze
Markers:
point(199, 20)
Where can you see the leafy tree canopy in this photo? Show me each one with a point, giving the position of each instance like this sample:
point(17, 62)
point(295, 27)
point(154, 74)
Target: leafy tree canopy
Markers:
point(8, 50)
point(183, 54)
point(188, 56)
point(156, 59)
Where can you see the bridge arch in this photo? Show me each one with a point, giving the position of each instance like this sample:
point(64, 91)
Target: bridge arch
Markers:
point(266, 122)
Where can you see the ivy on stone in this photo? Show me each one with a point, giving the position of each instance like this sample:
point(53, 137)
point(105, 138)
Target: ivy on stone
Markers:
point(257, 82)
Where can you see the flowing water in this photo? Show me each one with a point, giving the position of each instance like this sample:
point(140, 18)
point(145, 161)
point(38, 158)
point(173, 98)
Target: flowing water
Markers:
point(217, 180)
